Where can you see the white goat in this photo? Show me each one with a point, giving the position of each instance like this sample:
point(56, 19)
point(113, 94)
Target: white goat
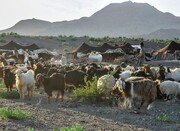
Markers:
point(174, 74)
point(105, 83)
point(125, 74)
point(170, 88)
point(25, 82)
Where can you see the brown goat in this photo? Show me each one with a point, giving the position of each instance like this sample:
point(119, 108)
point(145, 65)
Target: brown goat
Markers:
point(151, 71)
point(146, 89)
point(55, 82)
point(9, 79)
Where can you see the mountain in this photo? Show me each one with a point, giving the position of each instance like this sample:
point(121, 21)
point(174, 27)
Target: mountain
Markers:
point(163, 34)
point(117, 19)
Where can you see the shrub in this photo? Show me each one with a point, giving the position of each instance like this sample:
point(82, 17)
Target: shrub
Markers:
point(14, 34)
point(75, 127)
point(3, 35)
point(51, 37)
point(10, 95)
point(3, 41)
point(17, 113)
point(89, 92)
point(162, 117)
point(63, 40)
point(65, 49)
point(30, 129)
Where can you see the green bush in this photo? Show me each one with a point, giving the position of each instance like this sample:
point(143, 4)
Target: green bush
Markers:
point(63, 40)
point(75, 127)
point(162, 117)
point(89, 92)
point(3, 41)
point(3, 35)
point(17, 113)
point(15, 34)
point(10, 95)
point(65, 49)
point(30, 129)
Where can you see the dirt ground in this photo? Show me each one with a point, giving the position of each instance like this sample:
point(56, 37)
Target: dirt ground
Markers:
point(93, 117)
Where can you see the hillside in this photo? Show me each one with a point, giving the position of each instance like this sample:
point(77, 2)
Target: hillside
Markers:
point(70, 42)
point(163, 34)
point(117, 19)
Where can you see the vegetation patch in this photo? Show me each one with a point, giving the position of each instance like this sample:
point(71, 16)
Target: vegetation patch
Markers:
point(2, 41)
point(89, 92)
point(10, 95)
point(75, 127)
point(163, 117)
point(30, 129)
point(17, 113)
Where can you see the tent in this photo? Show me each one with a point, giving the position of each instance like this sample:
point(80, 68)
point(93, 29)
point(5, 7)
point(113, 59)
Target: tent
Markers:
point(31, 47)
point(168, 52)
point(172, 47)
point(127, 48)
point(84, 48)
point(13, 45)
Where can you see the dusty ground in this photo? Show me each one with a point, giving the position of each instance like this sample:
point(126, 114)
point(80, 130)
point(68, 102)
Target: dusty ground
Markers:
point(45, 117)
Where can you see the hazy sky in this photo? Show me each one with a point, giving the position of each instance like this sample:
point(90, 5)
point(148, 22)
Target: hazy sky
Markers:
point(12, 11)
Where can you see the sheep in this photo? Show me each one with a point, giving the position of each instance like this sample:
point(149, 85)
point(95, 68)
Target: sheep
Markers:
point(55, 82)
point(9, 79)
point(145, 89)
point(105, 84)
point(170, 88)
point(25, 82)
point(174, 74)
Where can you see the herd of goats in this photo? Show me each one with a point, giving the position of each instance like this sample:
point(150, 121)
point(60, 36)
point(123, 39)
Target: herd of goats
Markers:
point(144, 82)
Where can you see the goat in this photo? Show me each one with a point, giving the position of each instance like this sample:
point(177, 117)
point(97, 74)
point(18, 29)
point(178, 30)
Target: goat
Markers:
point(96, 71)
point(75, 78)
point(151, 71)
point(105, 84)
point(25, 82)
point(174, 74)
point(169, 88)
point(143, 88)
point(55, 82)
point(9, 79)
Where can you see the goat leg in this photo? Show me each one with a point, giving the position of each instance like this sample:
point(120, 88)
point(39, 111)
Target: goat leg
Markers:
point(57, 96)
point(11, 86)
point(49, 99)
point(7, 88)
point(62, 95)
point(149, 104)
point(142, 102)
